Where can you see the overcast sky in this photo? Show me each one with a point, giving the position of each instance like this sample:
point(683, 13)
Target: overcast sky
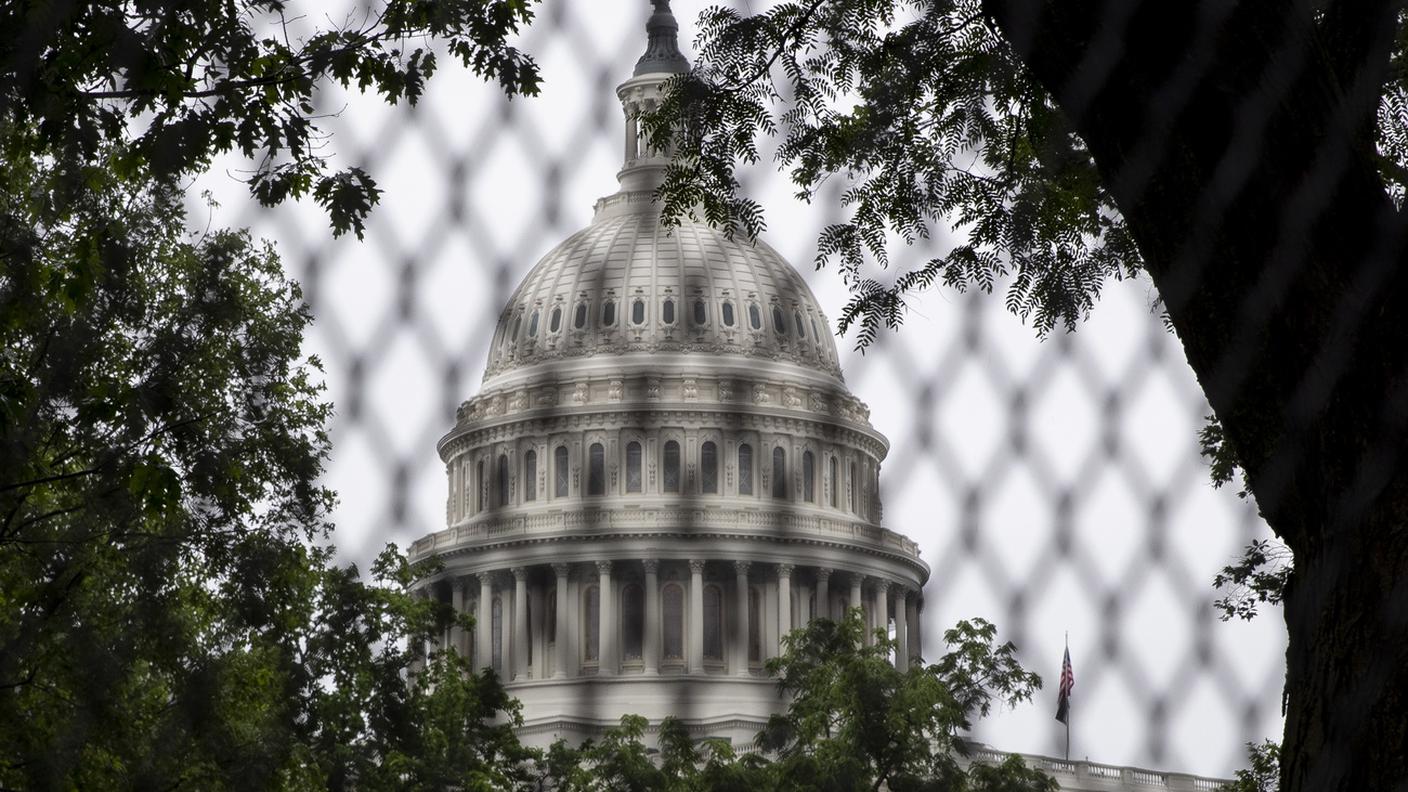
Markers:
point(1053, 485)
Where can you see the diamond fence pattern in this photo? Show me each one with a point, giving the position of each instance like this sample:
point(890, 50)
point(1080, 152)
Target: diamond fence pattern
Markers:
point(1053, 485)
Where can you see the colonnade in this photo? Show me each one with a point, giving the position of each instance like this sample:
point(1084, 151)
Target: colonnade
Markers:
point(660, 616)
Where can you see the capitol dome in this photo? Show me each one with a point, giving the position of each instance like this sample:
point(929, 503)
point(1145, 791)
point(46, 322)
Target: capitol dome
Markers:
point(663, 473)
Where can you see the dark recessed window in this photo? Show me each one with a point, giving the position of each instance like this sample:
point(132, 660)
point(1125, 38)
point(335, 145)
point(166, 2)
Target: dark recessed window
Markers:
point(555, 323)
point(517, 322)
point(580, 320)
point(633, 480)
point(667, 312)
point(755, 319)
point(699, 314)
point(779, 324)
point(608, 314)
point(560, 473)
point(779, 473)
point(745, 469)
point(797, 319)
point(672, 467)
point(709, 468)
point(728, 314)
point(638, 312)
point(533, 325)
point(596, 470)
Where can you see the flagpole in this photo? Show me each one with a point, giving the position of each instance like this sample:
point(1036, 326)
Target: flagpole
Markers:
point(1068, 705)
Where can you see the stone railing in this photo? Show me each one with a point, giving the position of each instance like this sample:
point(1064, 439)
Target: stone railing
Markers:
point(586, 522)
point(1085, 776)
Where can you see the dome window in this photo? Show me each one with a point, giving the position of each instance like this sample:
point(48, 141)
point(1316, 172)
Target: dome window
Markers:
point(608, 314)
point(638, 312)
point(745, 469)
point(779, 473)
point(533, 325)
point(755, 319)
point(633, 478)
point(728, 313)
point(779, 324)
point(797, 318)
point(709, 468)
point(517, 322)
point(596, 470)
point(555, 323)
point(672, 467)
point(579, 321)
point(700, 314)
point(816, 334)
point(667, 311)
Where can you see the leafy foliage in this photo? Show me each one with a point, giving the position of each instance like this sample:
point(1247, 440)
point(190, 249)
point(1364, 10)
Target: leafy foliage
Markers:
point(171, 613)
point(853, 722)
point(1259, 577)
point(930, 119)
point(1264, 774)
point(172, 84)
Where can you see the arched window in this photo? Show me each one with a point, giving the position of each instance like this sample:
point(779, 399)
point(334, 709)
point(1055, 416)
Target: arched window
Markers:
point(496, 621)
point(745, 469)
point(672, 467)
point(713, 623)
point(755, 632)
point(779, 473)
point(579, 321)
point(755, 319)
point(517, 322)
point(779, 324)
point(632, 621)
point(672, 615)
point(591, 623)
point(667, 311)
point(559, 472)
point(815, 332)
point(555, 323)
point(530, 475)
point(638, 311)
point(797, 319)
point(501, 482)
point(832, 484)
point(533, 324)
point(633, 478)
point(808, 477)
point(709, 468)
point(596, 470)
point(855, 499)
point(700, 314)
point(608, 313)
point(728, 313)
point(479, 489)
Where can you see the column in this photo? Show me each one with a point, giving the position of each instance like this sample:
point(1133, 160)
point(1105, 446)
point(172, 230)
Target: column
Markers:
point(651, 645)
point(457, 601)
point(484, 624)
point(880, 609)
point(505, 631)
point(784, 602)
point(696, 616)
point(537, 639)
point(856, 580)
point(901, 629)
point(740, 654)
point(823, 593)
point(417, 649)
point(916, 637)
point(560, 627)
point(606, 631)
point(520, 623)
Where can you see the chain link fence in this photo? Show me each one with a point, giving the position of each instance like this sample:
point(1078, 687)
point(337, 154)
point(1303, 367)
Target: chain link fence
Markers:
point(1054, 486)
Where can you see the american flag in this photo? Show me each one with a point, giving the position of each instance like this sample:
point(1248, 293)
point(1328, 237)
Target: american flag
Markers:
point(1068, 681)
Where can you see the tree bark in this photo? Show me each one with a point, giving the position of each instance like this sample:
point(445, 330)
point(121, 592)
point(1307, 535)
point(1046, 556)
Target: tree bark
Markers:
point(1238, 142)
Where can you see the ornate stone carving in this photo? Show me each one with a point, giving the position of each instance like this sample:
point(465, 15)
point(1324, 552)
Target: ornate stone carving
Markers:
point(790, 399)
point(547, 397)
point(617, 391)
point(652, 388)
point(725, 390)
point(581, 394)
point(819, 402)
point(651, 565)
point(561, 569)
point(785, 570)
point(740, 568)
point(519, 573)
point(519, 401)
point(603, 567)
point(760, 394)
point(689, 390)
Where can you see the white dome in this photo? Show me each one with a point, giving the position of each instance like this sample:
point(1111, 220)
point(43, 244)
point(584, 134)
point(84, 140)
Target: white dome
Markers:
point(626, 285)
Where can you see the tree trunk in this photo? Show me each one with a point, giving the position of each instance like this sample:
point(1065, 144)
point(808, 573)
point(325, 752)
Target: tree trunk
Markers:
point(1238, 142)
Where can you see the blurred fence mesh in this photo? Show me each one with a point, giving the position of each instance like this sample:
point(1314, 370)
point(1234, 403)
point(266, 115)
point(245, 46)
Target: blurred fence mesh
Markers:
point(1053, 485)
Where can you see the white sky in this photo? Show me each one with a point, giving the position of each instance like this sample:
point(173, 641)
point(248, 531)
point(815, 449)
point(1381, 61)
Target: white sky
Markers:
point(970, 400)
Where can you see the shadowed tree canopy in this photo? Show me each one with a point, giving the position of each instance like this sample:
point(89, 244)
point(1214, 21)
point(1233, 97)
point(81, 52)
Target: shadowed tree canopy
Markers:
point(163, 86)
point(1249, 157)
